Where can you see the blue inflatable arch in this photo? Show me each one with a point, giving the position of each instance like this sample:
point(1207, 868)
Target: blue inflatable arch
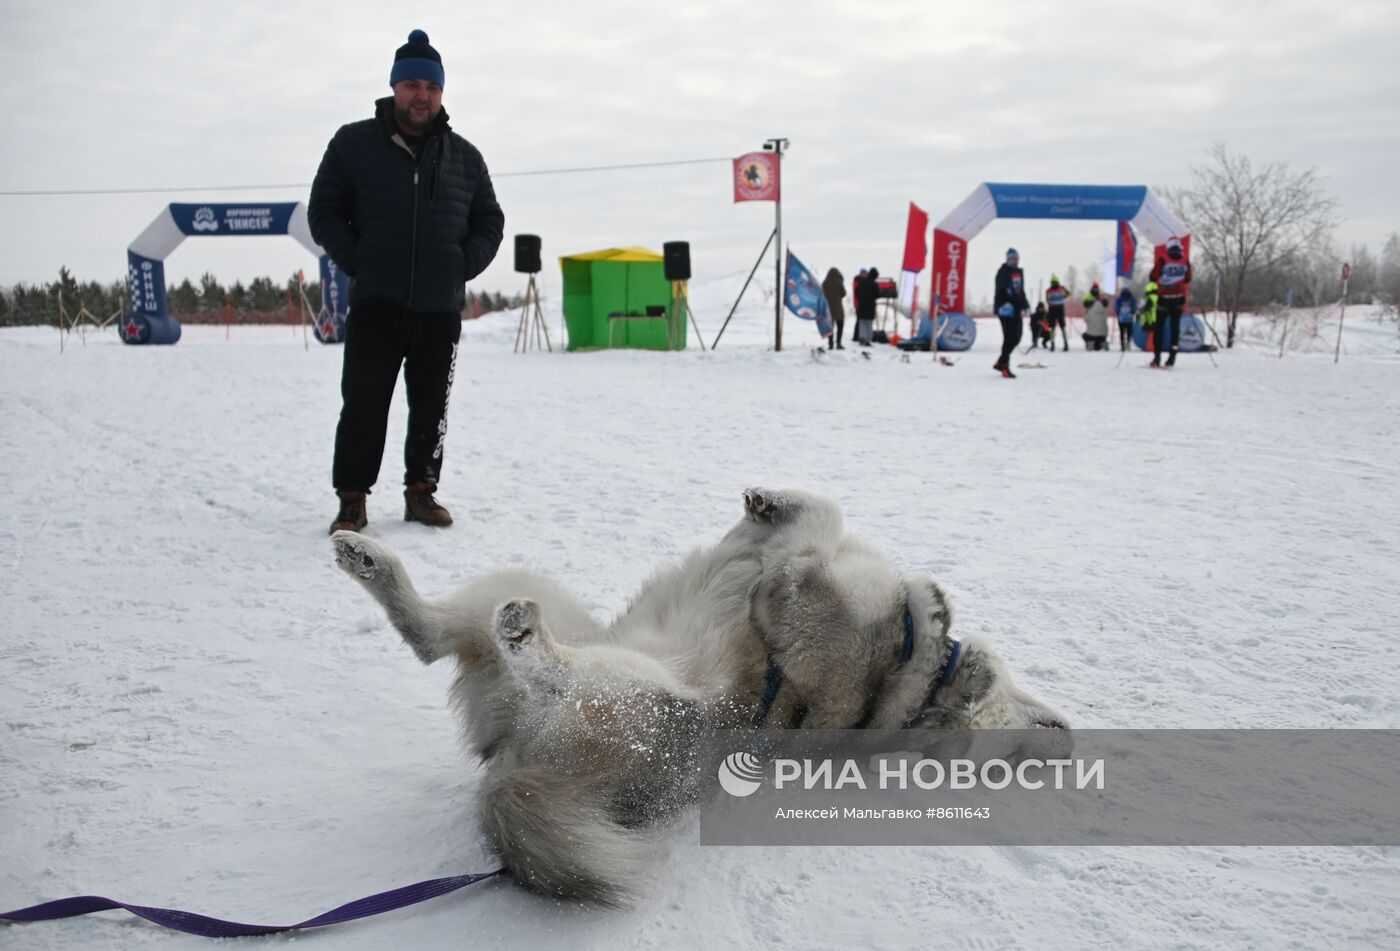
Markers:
point(1136, 208)
point(149, 321)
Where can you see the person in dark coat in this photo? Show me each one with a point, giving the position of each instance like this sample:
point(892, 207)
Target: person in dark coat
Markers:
point(1010, 303)
point(1055, 296)
point(866, 291)
point(834, 287)
point(405, 206)
point(1039, 326)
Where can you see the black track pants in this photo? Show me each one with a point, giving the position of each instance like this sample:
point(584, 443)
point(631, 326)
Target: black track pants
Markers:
point(1010, 336)
point(378, 339)
point(1168, 311)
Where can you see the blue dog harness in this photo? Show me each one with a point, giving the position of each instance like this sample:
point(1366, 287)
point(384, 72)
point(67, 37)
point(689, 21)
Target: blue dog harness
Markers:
point(773, 679)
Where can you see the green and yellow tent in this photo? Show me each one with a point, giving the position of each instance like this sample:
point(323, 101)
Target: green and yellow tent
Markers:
point(618, 281)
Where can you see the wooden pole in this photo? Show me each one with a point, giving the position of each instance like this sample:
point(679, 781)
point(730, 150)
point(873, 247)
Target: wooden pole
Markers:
point(936, 315)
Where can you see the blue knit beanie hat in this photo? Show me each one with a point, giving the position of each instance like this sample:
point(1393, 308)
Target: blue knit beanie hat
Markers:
point(417, 60)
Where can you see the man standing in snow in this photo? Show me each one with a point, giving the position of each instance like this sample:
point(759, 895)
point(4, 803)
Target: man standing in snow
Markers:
point(1172, 275)
point(1010, 303)
point(405, 206)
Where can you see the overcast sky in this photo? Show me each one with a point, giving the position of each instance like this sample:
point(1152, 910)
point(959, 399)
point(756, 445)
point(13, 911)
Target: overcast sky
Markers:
point(884, 103)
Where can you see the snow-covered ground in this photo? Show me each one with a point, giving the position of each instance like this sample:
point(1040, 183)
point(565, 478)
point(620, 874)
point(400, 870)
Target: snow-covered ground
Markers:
point(198, 710)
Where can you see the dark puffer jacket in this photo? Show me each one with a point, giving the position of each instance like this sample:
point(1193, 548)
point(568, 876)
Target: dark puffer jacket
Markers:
point(409, 230)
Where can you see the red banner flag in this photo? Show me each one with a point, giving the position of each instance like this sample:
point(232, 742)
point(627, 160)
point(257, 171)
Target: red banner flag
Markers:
point(1127, 251)
point(915, 243)
point(756, 177)
point(949, 270)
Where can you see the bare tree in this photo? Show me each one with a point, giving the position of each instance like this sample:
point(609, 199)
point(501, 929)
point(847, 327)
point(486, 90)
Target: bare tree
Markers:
point(1246, 222)
point(1364, 274)
point(1319, 275)
point(1388, 273)
point(1388, 280)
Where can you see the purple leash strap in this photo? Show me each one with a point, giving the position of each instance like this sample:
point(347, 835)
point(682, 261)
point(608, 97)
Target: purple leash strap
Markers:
point(218, 928)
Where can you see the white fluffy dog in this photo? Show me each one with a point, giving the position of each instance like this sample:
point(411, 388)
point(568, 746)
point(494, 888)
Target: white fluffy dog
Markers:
point(588, 732)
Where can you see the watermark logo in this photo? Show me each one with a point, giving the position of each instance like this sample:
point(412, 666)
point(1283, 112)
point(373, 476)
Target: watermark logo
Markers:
point(204, 219)
point(1044, 787)
point(740, 774)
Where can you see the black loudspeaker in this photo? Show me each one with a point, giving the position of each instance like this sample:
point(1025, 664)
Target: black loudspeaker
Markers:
point(527, 253)
point(677, 255)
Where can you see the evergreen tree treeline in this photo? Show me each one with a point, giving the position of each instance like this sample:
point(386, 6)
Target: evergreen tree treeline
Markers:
point(262, 300)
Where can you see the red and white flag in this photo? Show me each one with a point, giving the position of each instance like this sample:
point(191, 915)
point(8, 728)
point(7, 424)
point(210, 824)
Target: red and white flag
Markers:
point(915, 239)
point(756, 177)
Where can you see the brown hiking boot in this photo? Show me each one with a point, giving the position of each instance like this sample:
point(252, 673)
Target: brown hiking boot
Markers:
point(420, 506)
point(352, 516)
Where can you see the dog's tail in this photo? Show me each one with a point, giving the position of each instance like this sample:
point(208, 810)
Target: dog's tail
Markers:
point(558, 837)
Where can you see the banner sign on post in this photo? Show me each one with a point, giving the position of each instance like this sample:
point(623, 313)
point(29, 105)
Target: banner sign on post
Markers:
point(757, 177)
point(949, 269)
point(803, 295)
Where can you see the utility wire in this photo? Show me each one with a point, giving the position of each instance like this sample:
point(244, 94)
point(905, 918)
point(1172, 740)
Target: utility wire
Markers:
point(236, 188)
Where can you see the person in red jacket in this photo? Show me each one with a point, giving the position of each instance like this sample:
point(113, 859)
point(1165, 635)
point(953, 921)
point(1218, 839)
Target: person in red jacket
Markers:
point(1172, 275)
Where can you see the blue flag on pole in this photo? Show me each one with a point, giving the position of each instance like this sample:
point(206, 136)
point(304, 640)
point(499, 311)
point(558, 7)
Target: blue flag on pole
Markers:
point(803, 295)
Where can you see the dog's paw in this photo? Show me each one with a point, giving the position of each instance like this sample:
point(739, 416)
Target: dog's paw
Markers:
point(762, 505)
point(356, 555)
point(516, 623)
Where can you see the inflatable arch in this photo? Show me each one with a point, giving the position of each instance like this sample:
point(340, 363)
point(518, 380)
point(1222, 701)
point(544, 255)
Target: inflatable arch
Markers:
point(1134, 205)
point(149, 321)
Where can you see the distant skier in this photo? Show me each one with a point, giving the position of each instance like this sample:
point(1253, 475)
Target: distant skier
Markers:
point(1147, 315)
point(1055, 297)
point(1010, 303)
point(1125, 306)
point(1172, 275)
point(1095, 319)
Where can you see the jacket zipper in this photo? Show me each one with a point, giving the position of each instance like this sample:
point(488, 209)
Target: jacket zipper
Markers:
point(413, 242)
point(413, 238)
